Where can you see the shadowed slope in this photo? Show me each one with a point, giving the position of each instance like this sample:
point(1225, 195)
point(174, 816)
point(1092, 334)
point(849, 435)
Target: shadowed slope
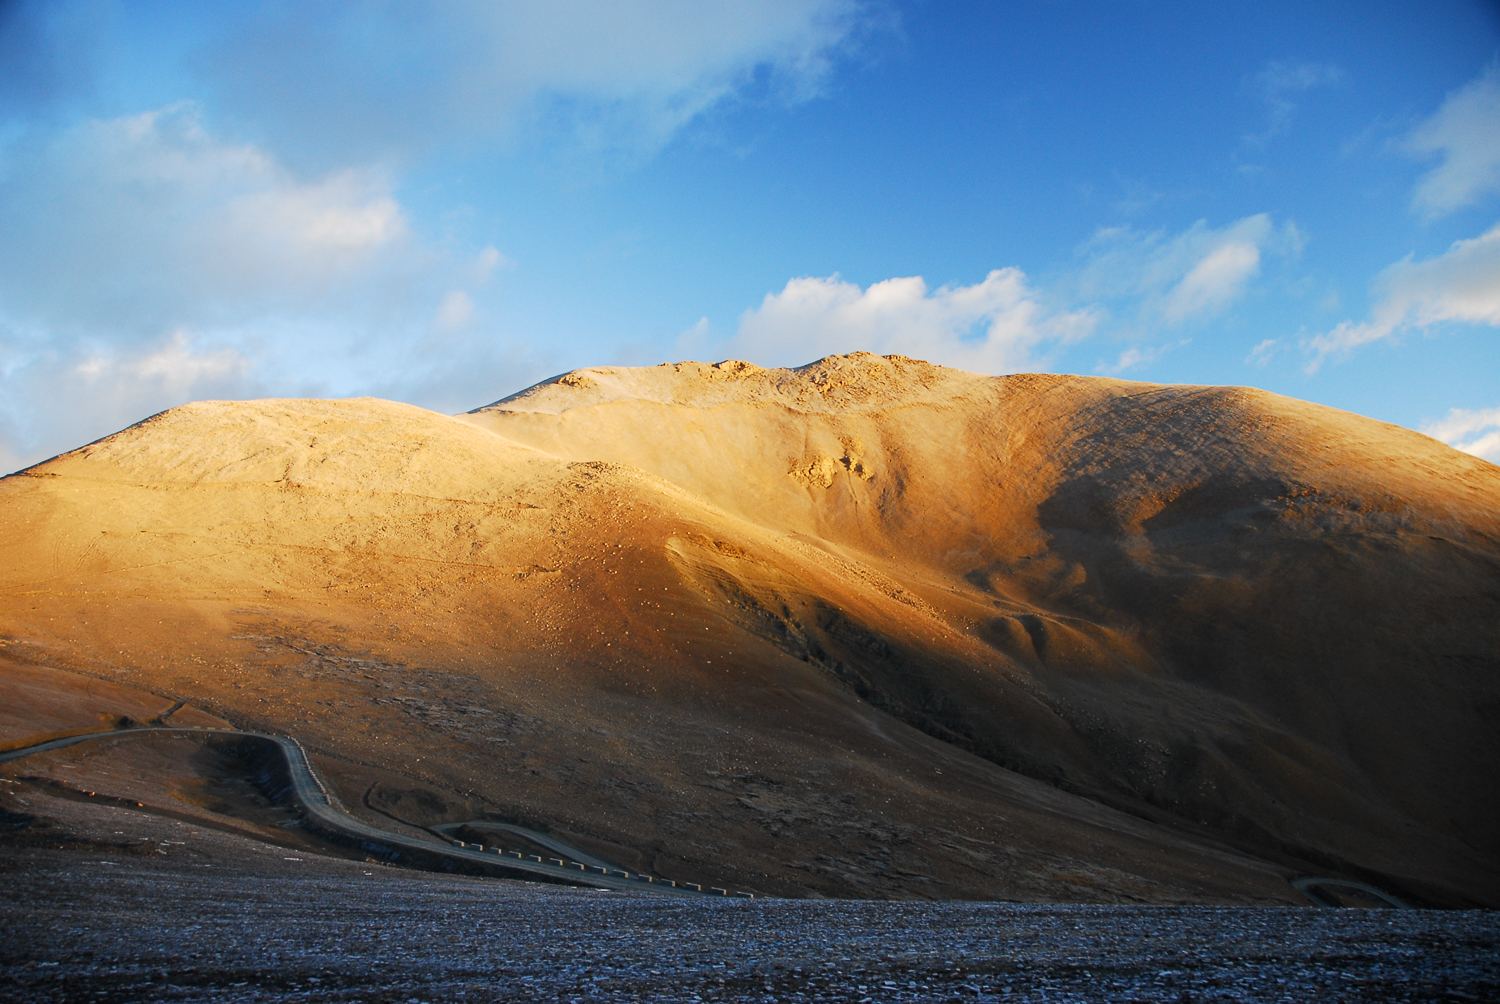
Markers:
point(790, 626)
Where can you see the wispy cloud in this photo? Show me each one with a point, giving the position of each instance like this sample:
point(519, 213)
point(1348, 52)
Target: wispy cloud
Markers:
point(368, 80)
point(456, 310)
point(1465, 133)
point(1217, 280)
point(1190, 276)
point(1137, 356)
point(1474, 432)
point(993, 326)
point(1461, 285)
point(1263, 351)
point(1278, 86)
point(176, 364)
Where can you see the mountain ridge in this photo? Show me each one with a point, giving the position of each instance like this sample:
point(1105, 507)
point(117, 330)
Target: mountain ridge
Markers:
point(1247, 618)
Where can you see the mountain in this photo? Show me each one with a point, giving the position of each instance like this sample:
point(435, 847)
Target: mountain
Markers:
point(867, 627)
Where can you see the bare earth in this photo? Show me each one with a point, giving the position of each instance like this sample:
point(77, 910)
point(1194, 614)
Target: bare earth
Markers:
point(870, 628)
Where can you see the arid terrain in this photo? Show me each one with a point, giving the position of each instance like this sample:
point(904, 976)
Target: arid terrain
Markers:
point(868, 628)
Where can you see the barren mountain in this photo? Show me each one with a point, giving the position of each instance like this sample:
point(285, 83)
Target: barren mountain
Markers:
point(868, 627)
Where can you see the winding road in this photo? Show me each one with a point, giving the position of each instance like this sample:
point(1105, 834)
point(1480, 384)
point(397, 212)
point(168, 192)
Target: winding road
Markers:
point(1308, 885)
point(322, 813)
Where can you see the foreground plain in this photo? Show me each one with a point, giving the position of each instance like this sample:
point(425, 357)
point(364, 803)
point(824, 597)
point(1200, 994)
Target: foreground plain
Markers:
point(135, 907)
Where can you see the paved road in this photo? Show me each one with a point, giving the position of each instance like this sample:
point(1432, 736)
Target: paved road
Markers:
point(323, 813)
point(1308, 884)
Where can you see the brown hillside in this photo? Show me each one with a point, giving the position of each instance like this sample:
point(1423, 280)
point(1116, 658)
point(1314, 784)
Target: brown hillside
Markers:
point(868, 627)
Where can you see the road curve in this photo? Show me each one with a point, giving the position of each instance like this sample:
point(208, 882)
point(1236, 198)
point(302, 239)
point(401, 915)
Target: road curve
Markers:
point(1307, 883)
point(322, 812)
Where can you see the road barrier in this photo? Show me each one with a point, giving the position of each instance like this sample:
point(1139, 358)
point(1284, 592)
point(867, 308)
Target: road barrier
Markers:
point(617, 873)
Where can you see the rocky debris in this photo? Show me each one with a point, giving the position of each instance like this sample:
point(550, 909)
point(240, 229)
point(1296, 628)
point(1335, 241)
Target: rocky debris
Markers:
point(192, 925)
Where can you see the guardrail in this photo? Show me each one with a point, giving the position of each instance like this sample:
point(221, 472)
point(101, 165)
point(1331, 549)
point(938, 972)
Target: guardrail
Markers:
point(599, 871)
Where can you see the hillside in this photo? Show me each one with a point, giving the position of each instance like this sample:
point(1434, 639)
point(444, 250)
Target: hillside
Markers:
point(868, 627)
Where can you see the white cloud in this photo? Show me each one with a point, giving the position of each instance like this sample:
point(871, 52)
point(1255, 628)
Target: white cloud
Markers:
point(1191, 276)
point(1137, 356)
point(325, 223)
point(1461, 285)
point(1474, 432)
point(364, 80)
point(1262, 353)
point(1465, 133)
point(1129, 359)
point(1279, 79)
point(1003, 323)
point(175, 365)
point(1216, 281)
point(992, 326)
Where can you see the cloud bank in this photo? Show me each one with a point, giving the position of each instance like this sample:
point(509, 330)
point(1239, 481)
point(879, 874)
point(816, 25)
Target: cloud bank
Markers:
point(145, 263)
point(993, 326)
point(153, 258)
point(145, 221)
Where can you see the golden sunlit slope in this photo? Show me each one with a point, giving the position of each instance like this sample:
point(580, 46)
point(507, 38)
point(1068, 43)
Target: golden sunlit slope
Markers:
point(1268, 616)
point(869, 627)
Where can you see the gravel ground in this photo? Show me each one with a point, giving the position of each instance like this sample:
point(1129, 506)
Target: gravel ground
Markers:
point(186, 914)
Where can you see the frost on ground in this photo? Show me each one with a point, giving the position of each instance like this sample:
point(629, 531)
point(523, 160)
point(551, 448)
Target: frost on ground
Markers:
point(174, 912)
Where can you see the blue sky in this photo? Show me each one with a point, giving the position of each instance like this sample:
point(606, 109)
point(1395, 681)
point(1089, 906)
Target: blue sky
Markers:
point(443, 203)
